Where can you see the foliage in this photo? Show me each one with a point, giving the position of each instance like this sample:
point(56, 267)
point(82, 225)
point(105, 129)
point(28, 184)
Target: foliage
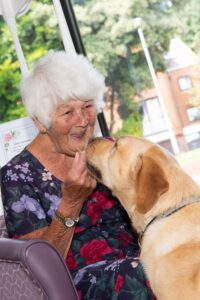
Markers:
point(193, 95)
point(113, 45)
point(132, 125)
point(37, 33)
point(187, 24)
point(194, 99)
point(9, 79)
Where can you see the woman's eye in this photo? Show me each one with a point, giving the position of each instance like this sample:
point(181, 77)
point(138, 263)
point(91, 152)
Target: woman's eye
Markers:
point(88, 106)
point(67, 112)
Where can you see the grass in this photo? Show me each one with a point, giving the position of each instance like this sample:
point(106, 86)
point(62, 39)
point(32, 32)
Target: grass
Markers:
point(193, 155)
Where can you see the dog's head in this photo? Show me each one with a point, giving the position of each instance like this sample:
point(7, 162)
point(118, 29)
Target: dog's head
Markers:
point(133, 168)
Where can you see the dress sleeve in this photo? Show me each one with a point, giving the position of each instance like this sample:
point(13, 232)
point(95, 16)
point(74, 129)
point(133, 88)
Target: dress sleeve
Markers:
point(22, 205)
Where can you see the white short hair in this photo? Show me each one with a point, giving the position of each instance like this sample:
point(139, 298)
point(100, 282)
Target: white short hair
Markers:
point(57, 78)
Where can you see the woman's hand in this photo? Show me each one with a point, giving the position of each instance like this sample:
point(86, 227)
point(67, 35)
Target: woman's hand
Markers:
point(78, 184)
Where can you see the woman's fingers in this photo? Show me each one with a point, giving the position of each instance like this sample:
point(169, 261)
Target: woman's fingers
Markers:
point(79, 163)
point(80, 159)
point(78, 172)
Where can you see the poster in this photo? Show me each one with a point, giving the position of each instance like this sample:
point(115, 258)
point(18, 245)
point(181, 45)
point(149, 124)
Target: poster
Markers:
point(14, 137)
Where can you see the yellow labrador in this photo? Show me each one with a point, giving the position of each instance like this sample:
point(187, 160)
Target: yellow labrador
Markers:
point(163, 203)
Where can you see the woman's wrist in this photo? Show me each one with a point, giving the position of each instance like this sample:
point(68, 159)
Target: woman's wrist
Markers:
point(68, 210)
point(67, 221)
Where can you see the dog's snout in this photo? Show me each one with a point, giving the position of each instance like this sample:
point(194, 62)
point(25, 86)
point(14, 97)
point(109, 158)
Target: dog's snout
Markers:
point(100, 139)
point(94, 171)
point(94, 139)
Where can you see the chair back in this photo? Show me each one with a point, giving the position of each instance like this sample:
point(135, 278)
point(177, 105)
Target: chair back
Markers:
point(3, 229)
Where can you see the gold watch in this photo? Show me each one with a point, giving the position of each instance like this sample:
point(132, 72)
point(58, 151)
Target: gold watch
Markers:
point(68, 222)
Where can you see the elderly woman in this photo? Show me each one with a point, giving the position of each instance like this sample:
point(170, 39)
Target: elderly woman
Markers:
point(48, 193)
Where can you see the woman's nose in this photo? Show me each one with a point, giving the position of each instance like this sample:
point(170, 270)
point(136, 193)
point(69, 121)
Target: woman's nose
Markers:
point(82, 118)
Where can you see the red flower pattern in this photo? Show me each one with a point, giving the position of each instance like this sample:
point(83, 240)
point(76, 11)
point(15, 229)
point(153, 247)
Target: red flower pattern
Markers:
point(79, 229)
point(118, 284)
point(99, 203)
point(70, 261)
point(89, 250)
point(124, 239)
point(80, 294)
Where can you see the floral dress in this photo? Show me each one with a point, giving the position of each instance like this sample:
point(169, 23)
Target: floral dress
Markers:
point(103, 257)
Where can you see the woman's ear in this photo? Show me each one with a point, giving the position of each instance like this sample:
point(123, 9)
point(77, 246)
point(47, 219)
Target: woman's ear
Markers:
point(42, 129)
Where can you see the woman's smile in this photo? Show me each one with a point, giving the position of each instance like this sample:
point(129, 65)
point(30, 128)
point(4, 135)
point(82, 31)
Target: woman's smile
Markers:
point(78, 135)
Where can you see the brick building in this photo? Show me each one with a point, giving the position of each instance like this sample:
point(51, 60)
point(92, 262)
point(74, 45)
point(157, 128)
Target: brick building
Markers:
point(180, 89)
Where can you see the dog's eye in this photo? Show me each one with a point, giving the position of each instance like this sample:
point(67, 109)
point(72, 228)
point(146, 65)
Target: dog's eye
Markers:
point(114, 147)
point(116, 144)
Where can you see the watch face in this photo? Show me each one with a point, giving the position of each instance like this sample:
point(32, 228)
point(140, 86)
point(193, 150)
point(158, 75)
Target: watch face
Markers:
point(69, 222)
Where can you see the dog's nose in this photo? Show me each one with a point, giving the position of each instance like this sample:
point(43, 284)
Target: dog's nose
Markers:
point(96, 139)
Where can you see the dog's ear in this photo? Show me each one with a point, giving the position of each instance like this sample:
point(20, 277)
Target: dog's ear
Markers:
point(151, 183)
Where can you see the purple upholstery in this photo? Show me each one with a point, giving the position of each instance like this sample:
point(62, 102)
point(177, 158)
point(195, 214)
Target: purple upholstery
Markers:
point(15, 283)
point(3, 229)
point(37, 268)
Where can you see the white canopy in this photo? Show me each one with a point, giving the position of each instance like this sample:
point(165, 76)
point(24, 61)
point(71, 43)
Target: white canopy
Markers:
point(10, 9)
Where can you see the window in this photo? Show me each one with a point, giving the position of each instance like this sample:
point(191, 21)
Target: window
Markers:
point(193, 113)
point(193, 140)
point(153, 119)
point(185, 83)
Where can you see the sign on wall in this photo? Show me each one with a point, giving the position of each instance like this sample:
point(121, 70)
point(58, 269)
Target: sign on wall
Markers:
point(14, 137)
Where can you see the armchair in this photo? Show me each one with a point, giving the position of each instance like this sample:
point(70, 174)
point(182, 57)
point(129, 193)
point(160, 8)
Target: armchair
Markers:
point(32, 269)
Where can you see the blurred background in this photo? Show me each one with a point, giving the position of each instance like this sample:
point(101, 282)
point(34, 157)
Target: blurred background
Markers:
point(149, 53)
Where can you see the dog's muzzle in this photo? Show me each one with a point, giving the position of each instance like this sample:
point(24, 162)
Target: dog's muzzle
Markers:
point(94, 171)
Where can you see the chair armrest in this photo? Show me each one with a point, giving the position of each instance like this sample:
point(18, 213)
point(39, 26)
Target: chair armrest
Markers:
point(43, 264)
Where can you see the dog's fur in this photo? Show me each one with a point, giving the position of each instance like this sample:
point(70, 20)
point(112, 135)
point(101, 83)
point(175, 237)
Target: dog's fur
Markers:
point(150, 184)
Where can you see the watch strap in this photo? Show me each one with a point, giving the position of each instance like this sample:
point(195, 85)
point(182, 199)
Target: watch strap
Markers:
point(67, 221)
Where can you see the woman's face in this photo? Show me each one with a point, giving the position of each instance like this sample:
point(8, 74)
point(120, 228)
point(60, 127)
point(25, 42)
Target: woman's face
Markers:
point(72, 126)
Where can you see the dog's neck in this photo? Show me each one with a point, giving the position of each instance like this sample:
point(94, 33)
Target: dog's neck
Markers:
point(169, 212)
point(181, 188)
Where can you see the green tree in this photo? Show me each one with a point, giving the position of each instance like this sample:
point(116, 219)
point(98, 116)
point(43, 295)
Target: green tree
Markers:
point(187, 21)
point(113, 44)
point(38, 32)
